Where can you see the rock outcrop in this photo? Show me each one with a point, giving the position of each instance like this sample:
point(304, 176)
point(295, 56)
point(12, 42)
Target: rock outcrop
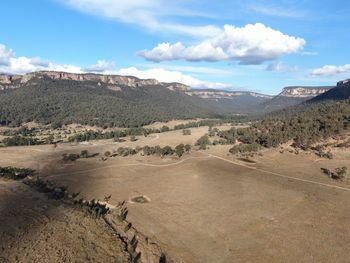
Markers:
point(7, 81)
point(303, 92)
point(223, 94)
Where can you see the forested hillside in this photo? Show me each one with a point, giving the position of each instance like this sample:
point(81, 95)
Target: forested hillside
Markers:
point(340, 92)
point(305, 124)
point(46, 100)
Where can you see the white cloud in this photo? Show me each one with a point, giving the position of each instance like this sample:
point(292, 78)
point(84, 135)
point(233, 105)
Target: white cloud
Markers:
point(251, 44)
point(277, 11)
point(330, 70)
point(192, 69)
point(21, 65)
point(149, 14)
point(164, 75)
point(280, 67)
point(101, 66)
point(5, 55)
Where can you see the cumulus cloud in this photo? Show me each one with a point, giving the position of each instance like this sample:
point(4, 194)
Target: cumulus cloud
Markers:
point(20, 65)
point(164, 75)
point(330, 70)
point(149, 14)
point(5, 55)
point(101, 66)
point(192, 69)
point(251, 44)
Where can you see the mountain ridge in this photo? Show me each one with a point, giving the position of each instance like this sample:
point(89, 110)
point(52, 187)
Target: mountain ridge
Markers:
point(12, 81)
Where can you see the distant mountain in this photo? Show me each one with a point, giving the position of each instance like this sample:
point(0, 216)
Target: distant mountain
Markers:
point(245, 102)
point(340, 92)
point(230, 101)
point(15, 81)
point(125, 101)
point(102, 100)
point(304, 91)
point(291, 96)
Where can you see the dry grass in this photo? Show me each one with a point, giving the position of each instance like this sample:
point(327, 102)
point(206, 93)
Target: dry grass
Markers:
point(206, 209)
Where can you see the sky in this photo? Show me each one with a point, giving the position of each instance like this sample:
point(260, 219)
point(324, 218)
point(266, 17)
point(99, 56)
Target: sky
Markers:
point(252, 45)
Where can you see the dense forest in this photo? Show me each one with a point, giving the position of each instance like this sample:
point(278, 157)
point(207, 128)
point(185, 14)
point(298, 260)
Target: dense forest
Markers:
point(90, 103)
point(303, 124)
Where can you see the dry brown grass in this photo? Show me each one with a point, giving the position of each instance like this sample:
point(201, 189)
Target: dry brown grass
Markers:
point(206, 209)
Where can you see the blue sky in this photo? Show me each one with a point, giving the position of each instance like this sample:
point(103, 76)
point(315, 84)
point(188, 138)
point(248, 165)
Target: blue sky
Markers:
point(255, 45)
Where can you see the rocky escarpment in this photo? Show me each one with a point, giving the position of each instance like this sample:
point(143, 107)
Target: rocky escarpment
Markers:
point(340, 92)
point(303, 92)
point(223, 94)
point(344, 82)
point(14, 81)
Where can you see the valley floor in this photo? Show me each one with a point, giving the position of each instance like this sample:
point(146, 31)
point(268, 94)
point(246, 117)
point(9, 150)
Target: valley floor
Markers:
point(205, 207)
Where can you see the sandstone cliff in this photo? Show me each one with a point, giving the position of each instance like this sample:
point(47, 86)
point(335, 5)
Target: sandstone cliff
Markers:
point(303, 92)
point(7, 81)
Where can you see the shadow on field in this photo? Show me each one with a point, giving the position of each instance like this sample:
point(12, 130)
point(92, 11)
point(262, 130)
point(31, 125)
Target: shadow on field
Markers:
point(36, 228)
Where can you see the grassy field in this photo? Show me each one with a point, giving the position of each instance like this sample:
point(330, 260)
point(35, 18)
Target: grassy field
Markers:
point(209, 206)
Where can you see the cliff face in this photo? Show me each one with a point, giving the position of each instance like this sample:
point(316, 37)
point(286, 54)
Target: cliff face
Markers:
point(7, 81)
point(345, 82)
point(303, 92)
point(340, 92)
point(222, 94)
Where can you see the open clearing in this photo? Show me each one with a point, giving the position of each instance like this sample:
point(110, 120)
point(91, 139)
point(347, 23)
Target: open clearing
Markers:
point(208, 206)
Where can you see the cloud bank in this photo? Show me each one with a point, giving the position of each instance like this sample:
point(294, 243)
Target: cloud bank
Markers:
point(10, 64)
point(330, 70)
point(251, 44)
point(149, 14)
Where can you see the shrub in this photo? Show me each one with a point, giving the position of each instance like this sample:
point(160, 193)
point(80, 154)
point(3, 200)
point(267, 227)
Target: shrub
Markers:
point(187, 148)
point(186, 132)
point(244, 148)
point(323, 154)
point(70, 157)
point(165, 129)
point(341, 173)
point(338, 174)
point(15, 173)
point(84, 154)
point(202, 142)
point(180, 150)
point(167, 150)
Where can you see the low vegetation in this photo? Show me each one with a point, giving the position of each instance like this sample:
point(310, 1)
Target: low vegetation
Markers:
point(15, 173)
point(338, 173)
point(203, 142)
point(245, 148)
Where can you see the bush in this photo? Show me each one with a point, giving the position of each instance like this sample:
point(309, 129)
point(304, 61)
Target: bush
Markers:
point(341, 173)
point(244, 148)
point(70, 157)
point(186, 132)
point(202, 142)
point(187, 148)
point(15, 173)
point(322, 154)
point(121, 151)
point(338, 174)
point(133, 138)
point(220, 142)
point(180, 150)
point(165, 129)
point(84, 154)
point(167, 150)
